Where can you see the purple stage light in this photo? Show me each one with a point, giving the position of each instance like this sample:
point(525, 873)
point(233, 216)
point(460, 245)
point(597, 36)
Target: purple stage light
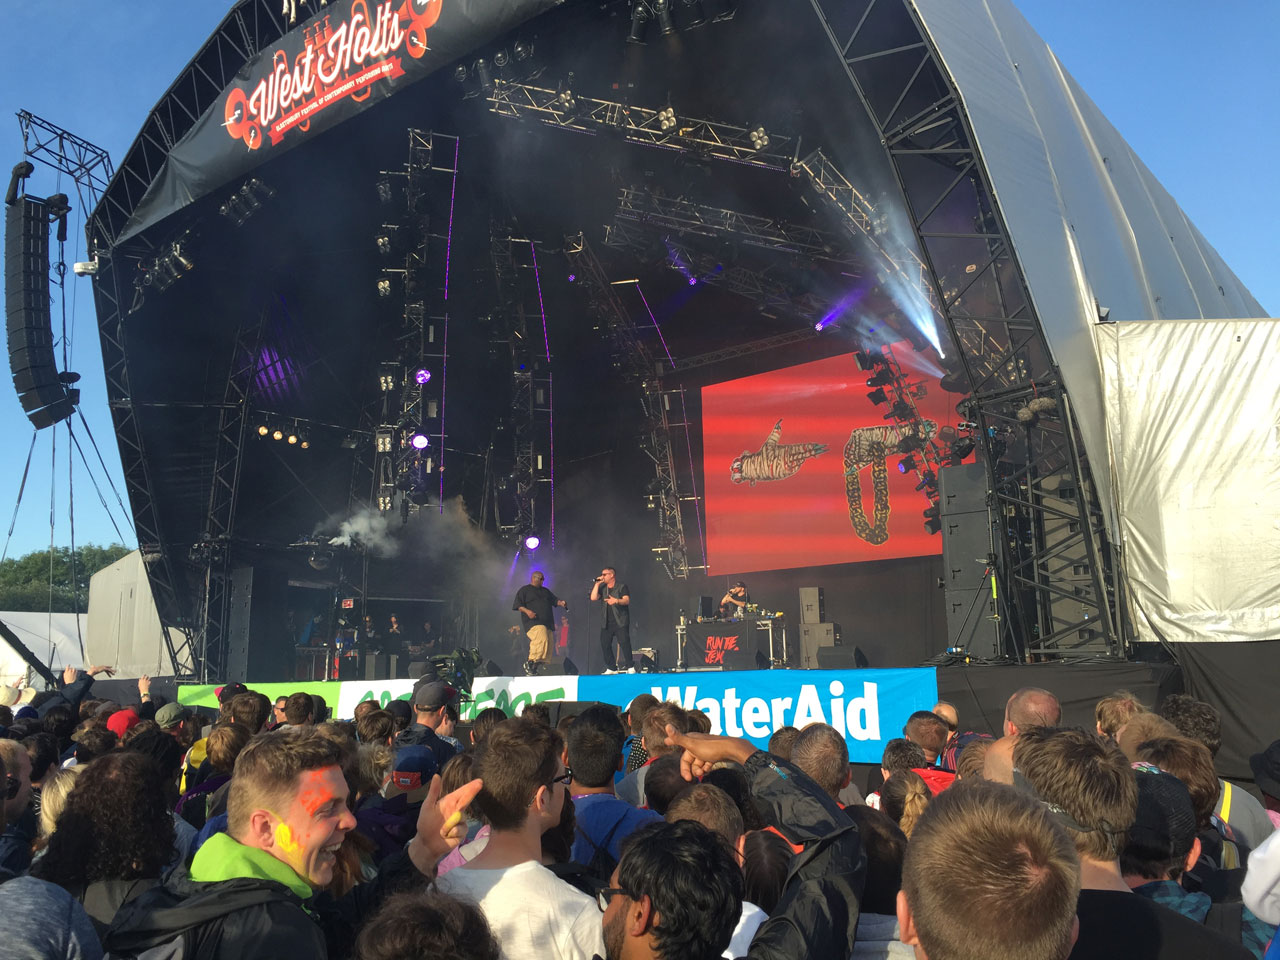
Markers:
point(422, 376)
point(573, 277)
point(419, 441)
point(531, 542)
point(692, 281)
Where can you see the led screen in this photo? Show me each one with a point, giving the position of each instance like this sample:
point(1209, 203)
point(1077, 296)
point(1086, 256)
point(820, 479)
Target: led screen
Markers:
point(775, 450)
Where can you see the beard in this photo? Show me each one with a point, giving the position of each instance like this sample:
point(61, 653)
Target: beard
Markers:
point(614, 936)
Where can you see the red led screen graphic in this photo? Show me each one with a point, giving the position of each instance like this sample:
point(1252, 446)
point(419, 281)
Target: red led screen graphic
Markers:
point(797, 512)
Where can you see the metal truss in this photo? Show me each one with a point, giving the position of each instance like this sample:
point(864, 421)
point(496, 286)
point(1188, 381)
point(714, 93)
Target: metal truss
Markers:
point(763, 345)
point(214, 549)
point(685, 217)
point(251, 27)
point(88, 165)
point(662, 422)
point(660, 128)
point(524, 326)
point(1053, 560)
point(758, 286)
point(155, 550)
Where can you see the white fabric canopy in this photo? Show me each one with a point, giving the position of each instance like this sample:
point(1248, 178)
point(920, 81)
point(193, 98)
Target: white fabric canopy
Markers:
point(53, 641)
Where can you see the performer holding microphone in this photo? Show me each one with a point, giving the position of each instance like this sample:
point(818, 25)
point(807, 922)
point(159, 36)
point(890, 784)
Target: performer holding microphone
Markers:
point(615, 601)
point(733, 605)
point(536, 605)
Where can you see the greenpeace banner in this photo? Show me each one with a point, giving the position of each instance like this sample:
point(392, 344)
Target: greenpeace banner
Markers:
point(348, 57)
point(868, 707)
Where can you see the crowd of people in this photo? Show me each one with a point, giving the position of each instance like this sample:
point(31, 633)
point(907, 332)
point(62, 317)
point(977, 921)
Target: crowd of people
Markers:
point(141, 830)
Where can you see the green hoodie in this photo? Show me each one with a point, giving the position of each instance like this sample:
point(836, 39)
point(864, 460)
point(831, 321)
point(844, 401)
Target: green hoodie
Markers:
point(222, 858)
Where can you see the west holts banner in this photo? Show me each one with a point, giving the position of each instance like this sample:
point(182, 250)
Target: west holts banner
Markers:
point(348, 57)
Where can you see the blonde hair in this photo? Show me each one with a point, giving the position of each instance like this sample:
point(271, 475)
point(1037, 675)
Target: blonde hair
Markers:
point(53, 798)
point(905, 797)
point(1113, 712)
point(376, 761)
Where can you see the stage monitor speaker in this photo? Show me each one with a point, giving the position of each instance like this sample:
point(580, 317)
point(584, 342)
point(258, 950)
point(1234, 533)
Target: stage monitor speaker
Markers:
point(706, 607)
point(44, 397)
point(962, 489)
point(379, 666)
point(558, 668)
point(813, 605)
point(838, 658)
point(813, 636)
point(560, 709)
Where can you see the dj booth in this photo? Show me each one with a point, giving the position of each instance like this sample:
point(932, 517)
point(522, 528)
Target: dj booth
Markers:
point(732, 644)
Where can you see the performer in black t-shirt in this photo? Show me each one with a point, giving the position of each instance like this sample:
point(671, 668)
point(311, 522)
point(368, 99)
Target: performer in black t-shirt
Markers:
point(536, 605)
point(733, 604)
point(615, 603)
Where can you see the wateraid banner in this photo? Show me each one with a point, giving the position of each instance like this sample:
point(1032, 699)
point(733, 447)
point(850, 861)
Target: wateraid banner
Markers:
point(868, 707)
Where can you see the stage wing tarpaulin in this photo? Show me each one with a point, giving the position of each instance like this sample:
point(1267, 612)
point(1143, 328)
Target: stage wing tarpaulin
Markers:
point(350, 56)
point(1091, 226)
point(1191, 410)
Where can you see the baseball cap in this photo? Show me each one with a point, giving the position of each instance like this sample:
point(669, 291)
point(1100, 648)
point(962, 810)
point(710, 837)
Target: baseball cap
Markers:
point(1165, 825)
point(171, 714)
point(740, 583)
point(122, 721)
point(412, 772)
point(399, 709)
point(434, 695)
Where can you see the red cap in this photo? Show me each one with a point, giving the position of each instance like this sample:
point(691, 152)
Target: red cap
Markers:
point(121, 722)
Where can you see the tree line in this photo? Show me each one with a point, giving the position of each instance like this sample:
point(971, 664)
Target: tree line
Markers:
point(25, 581)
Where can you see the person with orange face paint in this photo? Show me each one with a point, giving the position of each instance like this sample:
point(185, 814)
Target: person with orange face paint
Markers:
point(251, 893)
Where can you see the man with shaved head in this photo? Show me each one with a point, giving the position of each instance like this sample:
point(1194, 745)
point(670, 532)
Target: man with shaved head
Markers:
point(946, 712)
point(1031, 707)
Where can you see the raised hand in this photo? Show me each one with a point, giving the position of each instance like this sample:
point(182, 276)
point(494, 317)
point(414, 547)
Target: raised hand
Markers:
point(703, 750)
point(441, 823)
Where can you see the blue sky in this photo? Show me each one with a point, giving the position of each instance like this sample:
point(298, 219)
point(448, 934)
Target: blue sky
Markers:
point(1192, 88)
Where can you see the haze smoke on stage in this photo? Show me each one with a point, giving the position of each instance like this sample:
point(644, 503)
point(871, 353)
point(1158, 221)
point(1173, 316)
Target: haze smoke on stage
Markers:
point(369, 530)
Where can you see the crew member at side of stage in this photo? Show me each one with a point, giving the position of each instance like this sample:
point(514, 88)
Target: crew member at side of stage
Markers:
point(734, 603)
point(536, 605)
point(615, 599)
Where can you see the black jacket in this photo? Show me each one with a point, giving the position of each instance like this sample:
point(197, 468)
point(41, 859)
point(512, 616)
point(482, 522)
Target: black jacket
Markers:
point(251, 919)
point(418, 735)
point(817, 915)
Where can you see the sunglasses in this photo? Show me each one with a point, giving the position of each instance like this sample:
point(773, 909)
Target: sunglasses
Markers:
point(566, 778)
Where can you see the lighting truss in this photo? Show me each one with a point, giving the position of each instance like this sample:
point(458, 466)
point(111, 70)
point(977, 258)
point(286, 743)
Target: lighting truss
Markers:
point(758, 286)
point(686, 217)
point(88, 165)
point(1053, 558)
point(565, 109)
point(519, 287)
point(665, 421)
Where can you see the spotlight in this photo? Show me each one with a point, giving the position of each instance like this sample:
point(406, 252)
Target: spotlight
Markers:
point(293, 437)
point(304, 440)
point(388, 377)
point(961, 448)
point(383, 242)
point(759, 138)
point(694, 15)
point(277, 434)
point(666, 119)
point(384, 288)
point(532, 542)
point(522, 50)
point(460, 74)
point(566, 100)
point(483, 74)
point(422, 376)
point(932, 525)
point(419, 440)
point(662, 13)
point(929, 480)
point(910, 442)
point(907, 464)
point(501, 59)
point(880, 378)
point(877, 396)
point(263, 429)
point(693, 281)
point(384, 190)
point(867, 360)
point(901, 410)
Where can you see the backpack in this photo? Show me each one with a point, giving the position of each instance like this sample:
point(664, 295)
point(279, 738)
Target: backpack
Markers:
point(602, 862)
point(1228, 920)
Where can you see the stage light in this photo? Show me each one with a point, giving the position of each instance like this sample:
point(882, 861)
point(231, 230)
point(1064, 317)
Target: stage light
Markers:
point(662, 13)
point(694, 15)
point(907, 464)
point(877, 396)
point(728, 10)
point(419, 440)
point(929, 480)
point(759, 138)
point(277, 434)
point(481, 69)
point(293, 437)
point(880, 378)
point(460, 74)
point(522, 50)
point(500, 59)
point(867, 360)
point(961, 448)
point(384, 288)
point(666, 119)
point(263, 429)
point(304, 440)
point(422, 376)
point(532, 542)
point(901, 410)
point(383, 242)
point(932, 525)
point(573, 277)
point(566, 100)
point(384, 190)
point(388, 376)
